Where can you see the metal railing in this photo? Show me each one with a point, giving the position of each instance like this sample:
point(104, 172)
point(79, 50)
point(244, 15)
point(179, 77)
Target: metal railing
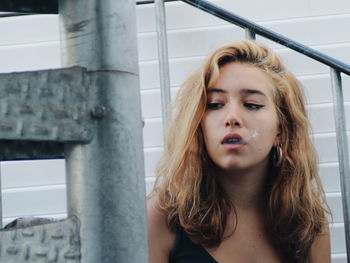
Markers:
point(164, 73)
point(336, 68)
point(143, 2)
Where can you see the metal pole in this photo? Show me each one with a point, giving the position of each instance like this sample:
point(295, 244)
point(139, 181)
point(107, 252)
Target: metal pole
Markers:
point(163, 61)
point(249, 34)
point(1, 220)
point(343, 154)
point(105, 178)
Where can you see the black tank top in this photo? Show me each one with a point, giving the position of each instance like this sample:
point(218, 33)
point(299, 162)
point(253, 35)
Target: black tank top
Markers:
point(186, 251)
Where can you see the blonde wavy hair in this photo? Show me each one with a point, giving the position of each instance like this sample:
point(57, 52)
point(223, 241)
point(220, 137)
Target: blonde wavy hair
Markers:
point(187, 189)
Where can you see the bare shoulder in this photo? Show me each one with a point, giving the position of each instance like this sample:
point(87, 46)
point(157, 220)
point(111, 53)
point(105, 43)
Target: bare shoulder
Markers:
point(320, 251)
point(160, 237)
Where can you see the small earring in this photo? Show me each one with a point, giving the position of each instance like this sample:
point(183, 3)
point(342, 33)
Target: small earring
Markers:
point(277, 156)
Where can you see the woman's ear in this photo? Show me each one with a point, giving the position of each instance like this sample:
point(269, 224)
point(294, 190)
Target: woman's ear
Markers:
point(278, 136)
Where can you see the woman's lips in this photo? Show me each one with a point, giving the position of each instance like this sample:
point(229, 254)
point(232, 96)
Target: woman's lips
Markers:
point(233, 146)
point(233, 141)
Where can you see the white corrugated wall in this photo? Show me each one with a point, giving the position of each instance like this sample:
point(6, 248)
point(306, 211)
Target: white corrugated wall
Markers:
point(32, 42)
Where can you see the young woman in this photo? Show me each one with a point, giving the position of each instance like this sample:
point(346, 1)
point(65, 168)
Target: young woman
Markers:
point(238, 181)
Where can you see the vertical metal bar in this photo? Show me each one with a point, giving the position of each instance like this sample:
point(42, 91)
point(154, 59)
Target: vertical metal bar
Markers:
point(105, 178)
point(1, 219)
point(250, 34)
point(343, 154)
point(163, 61)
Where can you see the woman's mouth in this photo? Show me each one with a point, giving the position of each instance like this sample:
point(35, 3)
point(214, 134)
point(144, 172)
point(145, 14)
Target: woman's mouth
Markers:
point(233, 141)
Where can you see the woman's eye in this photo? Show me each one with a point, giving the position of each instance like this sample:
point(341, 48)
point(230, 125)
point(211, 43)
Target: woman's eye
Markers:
point(214, 105)
point(253, 106)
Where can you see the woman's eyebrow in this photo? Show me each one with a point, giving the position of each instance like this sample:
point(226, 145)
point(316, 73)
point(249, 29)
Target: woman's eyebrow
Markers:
point(252, 91)
point(243, 91)
point(213, 90)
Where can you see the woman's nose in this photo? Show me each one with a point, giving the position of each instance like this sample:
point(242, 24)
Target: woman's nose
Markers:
point(233, 116)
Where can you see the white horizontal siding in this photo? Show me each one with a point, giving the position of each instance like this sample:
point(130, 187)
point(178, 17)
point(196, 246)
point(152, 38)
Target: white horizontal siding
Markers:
point(21, 174)
point(21, 57)
point(29, 29)
point(259, 11)
point(301, 66)
point(32, 42)
point(195, 42)
point(339, 258)
point(34, 201)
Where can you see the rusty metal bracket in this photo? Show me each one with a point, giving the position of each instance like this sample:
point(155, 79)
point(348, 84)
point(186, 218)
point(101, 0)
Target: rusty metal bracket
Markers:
point(41, 110)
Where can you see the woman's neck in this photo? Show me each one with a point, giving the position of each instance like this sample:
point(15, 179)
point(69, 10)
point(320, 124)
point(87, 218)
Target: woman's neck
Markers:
point(245, 188)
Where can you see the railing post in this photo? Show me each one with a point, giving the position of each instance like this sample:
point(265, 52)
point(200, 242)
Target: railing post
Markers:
point(1, 219)
point(343, 152)
point(105, 178)
point(249, 34)
point(163, 59)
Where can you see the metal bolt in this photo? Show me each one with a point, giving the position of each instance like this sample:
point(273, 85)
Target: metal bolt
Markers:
point(98, 112)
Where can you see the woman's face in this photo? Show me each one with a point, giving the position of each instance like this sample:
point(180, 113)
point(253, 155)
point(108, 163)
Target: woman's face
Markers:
point(240, 125)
